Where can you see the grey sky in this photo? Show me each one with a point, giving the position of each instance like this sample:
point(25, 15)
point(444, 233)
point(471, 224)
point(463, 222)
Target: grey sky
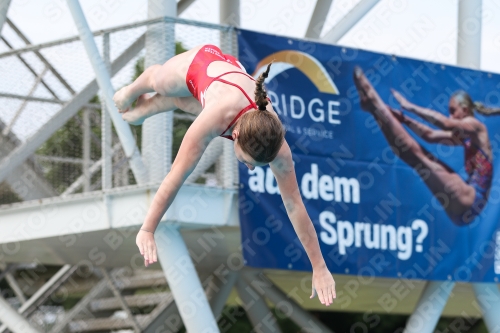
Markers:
point(423, 29)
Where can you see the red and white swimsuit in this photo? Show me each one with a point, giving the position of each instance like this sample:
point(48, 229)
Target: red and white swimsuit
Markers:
point(198, 81)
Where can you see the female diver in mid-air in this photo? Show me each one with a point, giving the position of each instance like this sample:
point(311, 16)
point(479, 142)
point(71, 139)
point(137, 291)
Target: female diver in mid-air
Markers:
point(462, 200)
point(216, 88)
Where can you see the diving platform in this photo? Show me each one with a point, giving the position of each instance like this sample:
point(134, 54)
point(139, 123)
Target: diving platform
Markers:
point(66, 230)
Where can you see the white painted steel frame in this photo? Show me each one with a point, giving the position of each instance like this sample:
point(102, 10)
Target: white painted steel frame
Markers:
point(255, 306)
point(13, 320)
point(488, 298)
point(349, 21)
point(469, 33)
point(41, 292)
point(229, 14)
point(21, 153)
point(429, 307)
point(104, 80)
point(42, 59)
point(218, 299)
point(318, 18)
point(157, 130)
point(183, 281)
point(194, 206)
point(4, 8)
point(106, 130)
point(281, 301)
point(469, 55)
point(33, 48)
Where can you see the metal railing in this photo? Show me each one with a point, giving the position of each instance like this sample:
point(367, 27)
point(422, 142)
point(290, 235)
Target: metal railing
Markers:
point(52, 118)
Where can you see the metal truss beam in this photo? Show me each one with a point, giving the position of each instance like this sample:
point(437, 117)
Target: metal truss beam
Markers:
point(25, 180)
point(182, 5)
point(57, 159)
point(218, 298)
point(31, 69)
point(166, 317)
point(318, 18)
point(15, 287)
point(38, 79)
point(92, 169)
point(429, 307)
point(488, 297)
point(5, 270)
point(42, 59)
point(157, 131)
point(36, 47)
point(284, 303)
point(118, 295)
point(44, 292)
point(106, 128)
point(349, 21)
point(4, 8)
point(229, 12)
point(469, 33)
point(104, 80)
point(21, 153)
point(93, 106)
point(255, 306)
point(184, 283)
point(32, 98)
point(99, 290)
point(194, 206)
point(13, 320)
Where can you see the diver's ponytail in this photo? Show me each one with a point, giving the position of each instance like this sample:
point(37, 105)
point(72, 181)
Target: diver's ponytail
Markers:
point(260, 91)
point(481, 108)
point(464, 99)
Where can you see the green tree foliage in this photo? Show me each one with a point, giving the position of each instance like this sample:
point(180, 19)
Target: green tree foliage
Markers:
point(67, 142)
point(7, 196)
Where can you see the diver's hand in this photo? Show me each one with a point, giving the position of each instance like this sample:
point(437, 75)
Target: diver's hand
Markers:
point(398, 114)
point(323, 284)
point(146, 243)
point(401, 100)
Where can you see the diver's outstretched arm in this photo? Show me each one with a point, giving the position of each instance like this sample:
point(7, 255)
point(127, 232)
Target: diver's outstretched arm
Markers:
point(284, 172)
point(194, 143)
point(468, 125)
point(425, 132)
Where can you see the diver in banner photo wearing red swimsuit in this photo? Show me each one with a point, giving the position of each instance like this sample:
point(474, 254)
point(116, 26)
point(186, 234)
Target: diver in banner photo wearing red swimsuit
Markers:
point(463, 200)
point(229, 103)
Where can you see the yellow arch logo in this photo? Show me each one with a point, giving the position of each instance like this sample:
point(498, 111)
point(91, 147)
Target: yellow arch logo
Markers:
point(307, 64)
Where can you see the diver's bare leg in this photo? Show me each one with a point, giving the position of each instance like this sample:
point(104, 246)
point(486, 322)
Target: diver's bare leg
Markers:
point(454, 194)
point(168, 80)
point(148, 106)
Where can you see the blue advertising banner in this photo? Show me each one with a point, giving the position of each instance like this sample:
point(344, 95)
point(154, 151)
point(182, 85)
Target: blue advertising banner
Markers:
point(404, 185)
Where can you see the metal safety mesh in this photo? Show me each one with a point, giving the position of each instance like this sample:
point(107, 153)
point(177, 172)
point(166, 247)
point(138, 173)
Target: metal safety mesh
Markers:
point(51, 117)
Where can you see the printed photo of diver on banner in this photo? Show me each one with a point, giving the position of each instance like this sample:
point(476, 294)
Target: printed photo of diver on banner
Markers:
point(397, 162)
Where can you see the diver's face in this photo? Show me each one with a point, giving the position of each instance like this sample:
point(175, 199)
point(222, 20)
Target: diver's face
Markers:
point(457, 111)
point(245, 158)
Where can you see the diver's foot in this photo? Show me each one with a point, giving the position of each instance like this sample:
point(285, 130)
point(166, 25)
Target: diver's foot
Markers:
point(368, 96)
point(133, 117)
point(139, 113)
point(122, 100)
